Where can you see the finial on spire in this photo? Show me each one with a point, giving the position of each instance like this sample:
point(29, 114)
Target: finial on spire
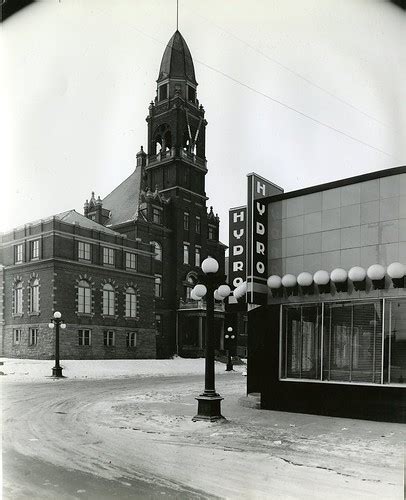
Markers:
point(177, 15)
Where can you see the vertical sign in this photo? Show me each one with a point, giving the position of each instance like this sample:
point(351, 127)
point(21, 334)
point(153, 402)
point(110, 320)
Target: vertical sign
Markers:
point(237, 257)
point(257, 237)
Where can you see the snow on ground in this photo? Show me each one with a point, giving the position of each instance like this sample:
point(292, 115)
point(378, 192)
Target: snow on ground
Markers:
point(35, 370)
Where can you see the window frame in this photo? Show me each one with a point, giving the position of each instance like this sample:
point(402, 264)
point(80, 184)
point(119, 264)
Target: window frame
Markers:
point(34, 297)
point(109, 338)
point(34, 249)
point(186, 221)
point(108, 300)
point(158, 286)
point(84, 251)
point(82, 337)
point(198, 252)
point(84, 300)
point(33, 330)
point(383, 302)
point(157, 215)
point(130, 303)
point(131, 339)
point(19, 253)
point(131, 260)
point(198, 225)
point(18, 302)
point(108, 256)
point(158, 250)
point(17, 335)
point(186, 253)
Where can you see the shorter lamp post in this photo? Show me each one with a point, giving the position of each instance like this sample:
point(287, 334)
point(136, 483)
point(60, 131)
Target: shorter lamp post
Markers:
point(209, 401)
point(57, 322)
point(229, 336)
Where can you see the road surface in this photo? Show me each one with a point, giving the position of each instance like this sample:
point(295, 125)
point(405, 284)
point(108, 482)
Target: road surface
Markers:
point(134, 438)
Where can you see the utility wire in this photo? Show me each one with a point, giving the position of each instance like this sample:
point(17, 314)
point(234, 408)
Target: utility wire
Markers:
point(293, 72)
point(291, 108)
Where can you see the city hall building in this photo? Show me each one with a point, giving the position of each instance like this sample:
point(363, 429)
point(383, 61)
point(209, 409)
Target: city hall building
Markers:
point(158, 218)
point(323, 272)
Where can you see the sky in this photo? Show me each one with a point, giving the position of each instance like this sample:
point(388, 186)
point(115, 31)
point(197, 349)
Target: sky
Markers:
point(300, 92)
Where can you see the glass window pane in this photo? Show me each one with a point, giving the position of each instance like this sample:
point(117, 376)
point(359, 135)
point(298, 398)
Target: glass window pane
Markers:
point(395, 341)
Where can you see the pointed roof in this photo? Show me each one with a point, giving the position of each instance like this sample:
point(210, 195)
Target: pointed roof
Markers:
point(177, 60)
point(124, 200)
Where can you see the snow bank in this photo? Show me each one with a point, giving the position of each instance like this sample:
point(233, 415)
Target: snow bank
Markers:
point(35, 370)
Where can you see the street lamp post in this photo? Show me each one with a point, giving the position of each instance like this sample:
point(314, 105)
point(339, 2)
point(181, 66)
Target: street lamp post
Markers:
point(57, 322)
point(229, 336)
point(209, 402)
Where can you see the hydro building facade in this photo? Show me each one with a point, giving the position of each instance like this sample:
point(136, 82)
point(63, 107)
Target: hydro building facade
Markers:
point(323, 275)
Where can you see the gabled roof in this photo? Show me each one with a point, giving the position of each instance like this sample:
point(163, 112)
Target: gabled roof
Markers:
point(177, 60)
point(123, 201)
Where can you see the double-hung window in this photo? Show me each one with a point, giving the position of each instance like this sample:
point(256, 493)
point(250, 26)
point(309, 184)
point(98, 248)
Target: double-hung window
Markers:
point(18, 298)
point(34, 296)
point(33, 336)
point(131, 339)
point(130, 303)
point(158, 285)
point(109, 340)
point(34, 249)
point(17, 336)
point(108, 300)
point(84, 297)
point(84, 337)
point(108, 256)
point(186, 253)
point(130, 260)
point(18, 253)
point(83, 250)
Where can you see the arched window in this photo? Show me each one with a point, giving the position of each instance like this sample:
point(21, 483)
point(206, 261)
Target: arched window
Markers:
point(158, 250)
point(130, 303)
point(18, 298)
point(108, 300)
point(84, 297)
point(34, 296)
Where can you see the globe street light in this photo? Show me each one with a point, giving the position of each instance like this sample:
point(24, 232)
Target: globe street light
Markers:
point(229, 337)
point(57, 322)
point(209, 401)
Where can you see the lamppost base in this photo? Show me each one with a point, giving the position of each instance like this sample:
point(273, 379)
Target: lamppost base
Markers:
point(57, 372)
point(209, 408)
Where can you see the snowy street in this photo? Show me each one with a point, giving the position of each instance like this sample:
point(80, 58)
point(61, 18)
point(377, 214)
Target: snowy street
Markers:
point(133, 438)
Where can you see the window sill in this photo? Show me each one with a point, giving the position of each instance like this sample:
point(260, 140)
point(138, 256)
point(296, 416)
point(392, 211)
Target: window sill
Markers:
point(339, 382)
point(17, 315)
point(131, 318)
point(84, 315)
point(109, 316)
point(85, 260)
point(34, 313)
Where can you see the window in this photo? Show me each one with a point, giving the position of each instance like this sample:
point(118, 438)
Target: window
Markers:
point(158, 323)
point(34, 249)
point(212, 233)
point(108, 256)
point(84, 250)
point(156, 215)
point(197, 256)
point(17, 336)
point(109, 340)
point(191, 94)
point(130, 303)
point(108, 300)
point(18, 298)
point(131, 339)
point(84, 297)
point(395, 341)
point(158, 285)
point(18, 253)
point(84, 337)
point(185, 221)
point(34, 296)
point(197, 225)
point(130, 260)
point(342, 343)
point(163, 92)
point(185, 253)
point(33, 336)
point(158, 250)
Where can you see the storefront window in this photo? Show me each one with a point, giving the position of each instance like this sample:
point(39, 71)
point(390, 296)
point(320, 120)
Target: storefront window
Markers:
point(342, 342)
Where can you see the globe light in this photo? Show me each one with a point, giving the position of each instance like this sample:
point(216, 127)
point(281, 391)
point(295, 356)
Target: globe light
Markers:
point(210, 265)
point(289, 280)
point(226, 336)
point(63, 326)
point(274, 282)
point(232, 337)
point(339, 275)
point(376, 272)
point(305, 279)
point(229, 329)
point(357, 274)
point(57, 315)
point(193, 296)
point(224, 291)
point(321, 277)
point(217, 296)
point(396, 270)
point(200, 291)
point(51, 325)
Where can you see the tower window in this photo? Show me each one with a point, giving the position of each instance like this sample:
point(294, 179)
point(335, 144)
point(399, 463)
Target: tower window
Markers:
point(163, 92)
point(156, 215)
point(198, 226)
point(211, 232)
point(185, 221)
point(197, 256)
point(185, 253)
point(191, 94)
point(158, 285)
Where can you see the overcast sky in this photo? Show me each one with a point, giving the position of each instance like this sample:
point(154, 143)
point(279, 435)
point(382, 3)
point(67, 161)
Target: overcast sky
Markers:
point(77, 78)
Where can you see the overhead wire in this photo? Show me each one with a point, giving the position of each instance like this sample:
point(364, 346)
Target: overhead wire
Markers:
point(273, 99)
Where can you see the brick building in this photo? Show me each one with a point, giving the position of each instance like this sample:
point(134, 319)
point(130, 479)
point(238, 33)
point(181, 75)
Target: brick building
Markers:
point(89, 273)
point(163, 203)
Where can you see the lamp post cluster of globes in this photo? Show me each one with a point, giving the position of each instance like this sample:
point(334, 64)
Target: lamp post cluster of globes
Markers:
point(212, 287)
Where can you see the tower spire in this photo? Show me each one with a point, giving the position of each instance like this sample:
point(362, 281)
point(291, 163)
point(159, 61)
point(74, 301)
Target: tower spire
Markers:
point(177, 15)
